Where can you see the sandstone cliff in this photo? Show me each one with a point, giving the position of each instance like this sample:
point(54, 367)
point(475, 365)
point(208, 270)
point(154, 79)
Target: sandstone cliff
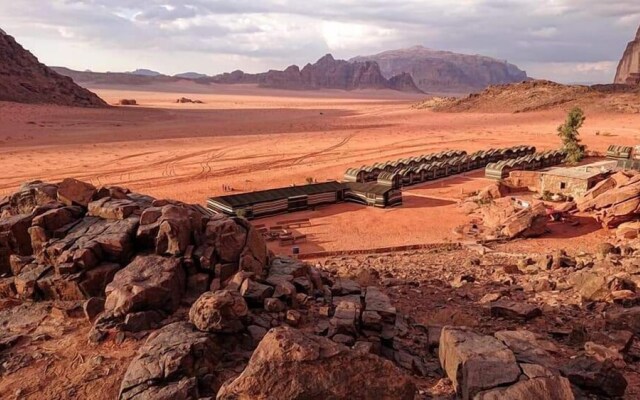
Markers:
point(629, 67)
point(24, 79)
point(444, 71)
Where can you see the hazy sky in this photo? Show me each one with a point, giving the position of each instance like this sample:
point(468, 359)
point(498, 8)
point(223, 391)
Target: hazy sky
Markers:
point(563, 40)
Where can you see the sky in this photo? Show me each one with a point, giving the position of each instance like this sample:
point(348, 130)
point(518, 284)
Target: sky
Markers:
point(563, 40)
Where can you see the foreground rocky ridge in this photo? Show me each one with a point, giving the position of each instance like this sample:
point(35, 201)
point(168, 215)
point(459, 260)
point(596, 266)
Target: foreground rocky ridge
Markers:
point(24, 79)
point(186, 305)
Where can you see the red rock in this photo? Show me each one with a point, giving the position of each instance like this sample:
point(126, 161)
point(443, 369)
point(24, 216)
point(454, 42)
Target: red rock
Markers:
point(108, 208)
point(74, 192)
point(221, 311)
point(147, 283)
point(541, 388)
point(170, 365)
point(297, 365)
point(475, 362)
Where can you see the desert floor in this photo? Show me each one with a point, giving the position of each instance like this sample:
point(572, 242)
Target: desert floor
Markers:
point(251, 138)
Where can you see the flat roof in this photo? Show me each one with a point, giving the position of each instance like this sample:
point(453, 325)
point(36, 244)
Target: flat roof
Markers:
point(575, 172)
point(261, 196)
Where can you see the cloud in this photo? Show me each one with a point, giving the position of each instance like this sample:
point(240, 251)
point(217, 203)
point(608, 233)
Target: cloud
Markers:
point(218, 35)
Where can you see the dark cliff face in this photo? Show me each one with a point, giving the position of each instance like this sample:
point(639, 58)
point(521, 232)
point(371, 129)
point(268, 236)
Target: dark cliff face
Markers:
point(628, 71)
point(24, 79)
point(443, 71)
point(326, 73)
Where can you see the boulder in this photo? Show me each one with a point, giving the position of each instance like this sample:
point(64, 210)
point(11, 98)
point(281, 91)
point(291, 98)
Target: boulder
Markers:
point(591, 375)
point(31, 195)
point(542, 388)
point(25, 283)
point(57, 218)
point(530, 348)
point(514, 310)
point(220, 311)
point(148, 283)
point(475, 362)
point(174, 230)
point(61, 287)
point(628, 230)
point(600, 286)
point(342, 287)
point(108, 208)
point(255, 293)
point(297, 365)
point(74, 192)
point(176, 362)
point(625, 318)
point(529, 222)
point(92, 308)
point(228, 238)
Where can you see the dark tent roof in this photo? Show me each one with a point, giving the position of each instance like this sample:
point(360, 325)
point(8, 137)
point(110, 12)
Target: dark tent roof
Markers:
point(245, 199)
point(369, 187)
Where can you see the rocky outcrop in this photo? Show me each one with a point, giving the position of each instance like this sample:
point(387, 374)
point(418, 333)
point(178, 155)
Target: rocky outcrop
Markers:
point(444, 71)
point(176, 362)
point(24, 79)
point(296, 365)
point(73, 241)
point(628, 71)
point(504, 219)
point(326, 73)
point(615, 200)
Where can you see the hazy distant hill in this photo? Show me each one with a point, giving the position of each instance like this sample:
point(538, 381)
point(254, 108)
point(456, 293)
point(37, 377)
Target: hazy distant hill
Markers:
point(145, 72)
point(24, 79)
point(190, 75)
point(112, 78)
point(444, 71)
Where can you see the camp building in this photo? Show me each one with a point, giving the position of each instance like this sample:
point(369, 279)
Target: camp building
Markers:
point(574, 181)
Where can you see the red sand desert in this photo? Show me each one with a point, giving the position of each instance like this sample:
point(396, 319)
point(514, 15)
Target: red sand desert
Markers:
point(251, 139)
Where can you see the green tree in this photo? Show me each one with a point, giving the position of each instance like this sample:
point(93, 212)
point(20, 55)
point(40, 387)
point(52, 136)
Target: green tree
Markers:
point(569, 134)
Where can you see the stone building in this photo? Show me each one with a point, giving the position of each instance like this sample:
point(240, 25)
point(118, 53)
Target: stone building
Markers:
point(573, 182)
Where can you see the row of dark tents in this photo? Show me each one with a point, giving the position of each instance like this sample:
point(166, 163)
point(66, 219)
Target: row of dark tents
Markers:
point(424, 168)
point(529, 162)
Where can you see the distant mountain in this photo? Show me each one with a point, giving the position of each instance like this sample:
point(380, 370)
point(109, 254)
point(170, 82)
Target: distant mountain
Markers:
point(190, 75)
point(444, 71)
point(326, 73)
point(145, 72)
point(112, 78)
point(24, 79)
point(629, 67)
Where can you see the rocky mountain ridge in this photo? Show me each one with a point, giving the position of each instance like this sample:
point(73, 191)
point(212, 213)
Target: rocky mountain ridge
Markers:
point(445, 71)
point(24, 79)
point(326, 73)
